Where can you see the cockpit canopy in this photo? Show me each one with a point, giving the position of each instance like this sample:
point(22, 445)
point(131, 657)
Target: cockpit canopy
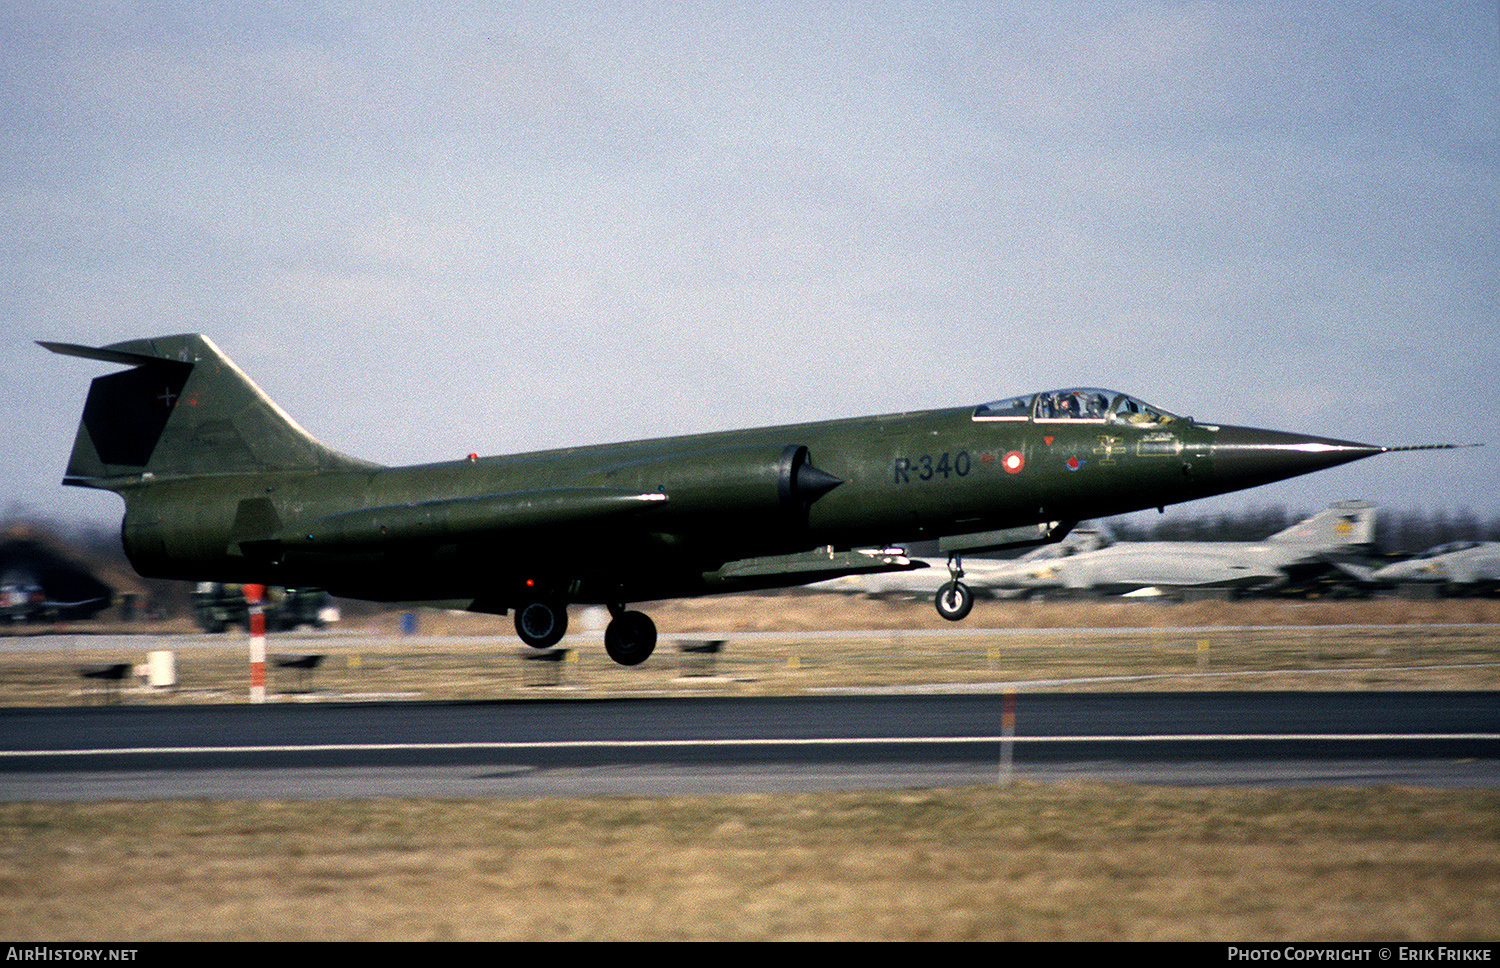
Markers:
point(1089, 404)
point(1446, 549)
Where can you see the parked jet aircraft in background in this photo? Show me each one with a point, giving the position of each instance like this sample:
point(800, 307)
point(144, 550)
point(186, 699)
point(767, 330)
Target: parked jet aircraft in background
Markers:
point(23, 600)
point(1308, 549)
point(37, 583)
point(1463, 566)
point(221, 485)
point(980, 574)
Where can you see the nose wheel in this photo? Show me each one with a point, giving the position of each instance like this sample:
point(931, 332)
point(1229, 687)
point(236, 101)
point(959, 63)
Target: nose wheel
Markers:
point(954, 600)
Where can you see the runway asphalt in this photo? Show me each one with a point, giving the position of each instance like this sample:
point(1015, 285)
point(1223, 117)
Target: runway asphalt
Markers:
point(656, 746)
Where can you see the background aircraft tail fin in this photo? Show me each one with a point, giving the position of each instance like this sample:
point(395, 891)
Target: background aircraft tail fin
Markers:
point(182, 409)
point(1339, 525)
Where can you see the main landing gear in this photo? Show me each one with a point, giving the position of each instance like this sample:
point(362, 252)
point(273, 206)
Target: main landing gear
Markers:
point(629, 639)
point(954, 600)
point(542, 625)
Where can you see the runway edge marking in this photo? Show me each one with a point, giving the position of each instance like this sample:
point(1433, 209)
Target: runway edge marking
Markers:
point(823, 741)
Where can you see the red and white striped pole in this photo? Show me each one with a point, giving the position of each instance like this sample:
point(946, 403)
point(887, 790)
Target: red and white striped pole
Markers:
point(1007, 737)
point(254, 595)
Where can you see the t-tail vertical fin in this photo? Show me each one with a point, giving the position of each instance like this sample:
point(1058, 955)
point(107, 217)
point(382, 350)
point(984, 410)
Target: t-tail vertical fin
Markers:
point(183, 409)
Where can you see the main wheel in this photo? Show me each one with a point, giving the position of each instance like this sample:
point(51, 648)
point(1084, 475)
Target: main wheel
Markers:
point(541, 625)
point(954, 600)
point(630, 638)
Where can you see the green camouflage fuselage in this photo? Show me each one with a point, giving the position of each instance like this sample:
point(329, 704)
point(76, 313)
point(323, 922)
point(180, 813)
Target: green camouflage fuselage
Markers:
point(220, 485)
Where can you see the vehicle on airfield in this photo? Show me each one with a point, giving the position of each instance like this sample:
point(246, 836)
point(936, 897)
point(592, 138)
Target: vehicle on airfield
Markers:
point(1301, 556)
point(1460, 567)
point(221, 485)
point(218, 606)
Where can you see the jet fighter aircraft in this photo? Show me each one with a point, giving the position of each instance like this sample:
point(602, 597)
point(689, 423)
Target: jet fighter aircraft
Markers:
point(983, 576)
point(221, 485)
point(1463, 566)
point(1310, 548)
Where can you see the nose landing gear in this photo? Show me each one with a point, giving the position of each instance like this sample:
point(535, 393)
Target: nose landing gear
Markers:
point(954, 600)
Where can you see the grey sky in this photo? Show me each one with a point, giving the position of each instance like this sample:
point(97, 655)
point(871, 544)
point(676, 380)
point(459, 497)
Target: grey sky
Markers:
point(497, 227)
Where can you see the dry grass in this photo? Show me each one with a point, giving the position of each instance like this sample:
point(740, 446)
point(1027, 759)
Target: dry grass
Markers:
point(800, 611)
point(1028, 861)
point(1024, 862)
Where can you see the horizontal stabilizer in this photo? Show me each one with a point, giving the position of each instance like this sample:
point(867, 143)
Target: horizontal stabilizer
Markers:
point(103, 354)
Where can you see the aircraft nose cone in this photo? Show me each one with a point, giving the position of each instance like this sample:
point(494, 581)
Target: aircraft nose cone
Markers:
point(1248, 456)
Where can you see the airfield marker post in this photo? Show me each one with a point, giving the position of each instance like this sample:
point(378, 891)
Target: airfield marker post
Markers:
point(1007, 735)
point(253, 596)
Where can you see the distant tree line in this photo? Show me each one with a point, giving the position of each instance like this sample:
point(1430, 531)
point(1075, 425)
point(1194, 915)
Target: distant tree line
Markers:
point(1396, 531)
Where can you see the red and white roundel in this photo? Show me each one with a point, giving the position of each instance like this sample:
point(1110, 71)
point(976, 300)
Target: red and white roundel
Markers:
point(1013, 462)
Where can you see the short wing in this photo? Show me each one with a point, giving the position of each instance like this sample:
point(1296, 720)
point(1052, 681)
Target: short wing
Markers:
point(778, 571)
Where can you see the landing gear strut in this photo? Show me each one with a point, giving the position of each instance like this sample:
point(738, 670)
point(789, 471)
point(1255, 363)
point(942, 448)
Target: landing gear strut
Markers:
point(954, 600)
point(630, 637)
